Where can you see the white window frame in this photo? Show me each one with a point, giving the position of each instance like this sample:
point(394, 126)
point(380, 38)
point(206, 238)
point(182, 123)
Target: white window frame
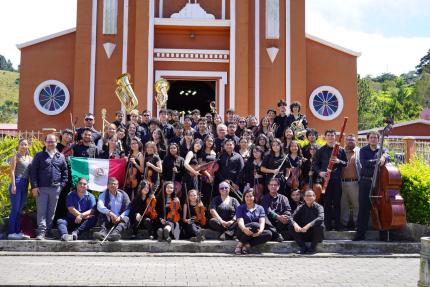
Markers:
point(39, 89)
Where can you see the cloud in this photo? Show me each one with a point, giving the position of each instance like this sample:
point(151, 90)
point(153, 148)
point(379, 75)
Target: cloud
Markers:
point(380, 53)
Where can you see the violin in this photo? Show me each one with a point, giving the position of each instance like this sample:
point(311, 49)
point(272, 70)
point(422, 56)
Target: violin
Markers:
point(210, 171)
point(151, 202)
point(174, 207)
point(200, 213)
point(316, 187)
point(131, 179)
point(293, 178)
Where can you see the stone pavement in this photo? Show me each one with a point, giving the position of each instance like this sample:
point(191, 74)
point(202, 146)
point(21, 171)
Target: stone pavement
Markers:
point(200, 270)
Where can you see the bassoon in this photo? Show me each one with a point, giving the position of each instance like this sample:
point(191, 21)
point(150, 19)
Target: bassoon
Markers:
point(334, 154)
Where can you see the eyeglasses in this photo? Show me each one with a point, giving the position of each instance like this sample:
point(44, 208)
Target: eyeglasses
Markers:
point(82, 183)
point(223, 187)
point(146, 115)
point(273, 184)
point(88, 120)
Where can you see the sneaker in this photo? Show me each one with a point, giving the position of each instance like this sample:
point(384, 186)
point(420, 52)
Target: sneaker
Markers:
point(66, 237)
point(301, 251)
point(280, 238)
point(75, 235)
point(13, 236)
point(99, 235)
point(311, 250)
point(201, 235)
point(24, 236)
point(40, 236)
point(222, 236)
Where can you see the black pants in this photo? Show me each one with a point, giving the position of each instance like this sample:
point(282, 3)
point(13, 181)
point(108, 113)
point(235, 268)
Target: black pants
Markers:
point(192, 229)
point(314, 235)
point(364, 205)
point(263, 238)
point(332, 201)
point(146, 223)
point(214, 224)
point(106, 224)
point(277, 228)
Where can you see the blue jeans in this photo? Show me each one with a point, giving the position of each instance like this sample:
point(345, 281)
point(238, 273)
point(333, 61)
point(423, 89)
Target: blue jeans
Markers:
point(17, 201)
point(65, 224)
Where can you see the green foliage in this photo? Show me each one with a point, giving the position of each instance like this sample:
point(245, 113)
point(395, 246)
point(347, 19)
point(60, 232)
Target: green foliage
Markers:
point(8, 112)
point(424, 65)
point(9, 90)
point(416, 191)
point(7, 151)
point(370, 111)
point(6, 64)
point(422, 91)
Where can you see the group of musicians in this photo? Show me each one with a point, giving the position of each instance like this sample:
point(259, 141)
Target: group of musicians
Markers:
point(249, 181)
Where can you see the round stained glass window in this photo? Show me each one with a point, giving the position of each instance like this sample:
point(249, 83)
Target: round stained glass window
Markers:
point(51, 97)
point(326, 103)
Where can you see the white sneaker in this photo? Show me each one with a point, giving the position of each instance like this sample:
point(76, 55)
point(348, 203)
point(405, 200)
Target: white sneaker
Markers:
point(13, 236)
point(24, 236)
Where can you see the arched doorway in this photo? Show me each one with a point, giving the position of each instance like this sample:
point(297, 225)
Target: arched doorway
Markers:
point(189, 95)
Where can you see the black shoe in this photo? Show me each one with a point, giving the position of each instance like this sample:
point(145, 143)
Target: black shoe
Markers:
point(114, 236)
point(201, 235)
point(311, 250)
point(280, 238)
point(160, 234)
point(301, 251)
point(99, 235)
point(358, 237)
point(75, 235)
point(166, 235)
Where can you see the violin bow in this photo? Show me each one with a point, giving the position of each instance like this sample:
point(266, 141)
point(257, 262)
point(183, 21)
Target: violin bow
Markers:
point(143, 214)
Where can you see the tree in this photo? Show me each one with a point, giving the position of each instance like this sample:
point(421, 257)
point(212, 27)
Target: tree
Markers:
point(8, 111)
point(422, 90)
point(424, 65)
point(385, 77)
point(370, 112)
point(6, 64)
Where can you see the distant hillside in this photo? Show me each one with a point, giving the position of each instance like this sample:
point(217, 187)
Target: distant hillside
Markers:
point(9, 89)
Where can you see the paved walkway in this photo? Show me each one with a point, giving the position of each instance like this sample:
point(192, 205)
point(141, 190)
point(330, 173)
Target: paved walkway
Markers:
point(79, 270)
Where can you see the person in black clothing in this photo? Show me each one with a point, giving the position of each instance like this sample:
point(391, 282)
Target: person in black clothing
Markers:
point(179, 134)
point(274, 165)
point(86, 147)
point(223, 211)
point(89, 124)
point(230, 164)
point(165, 126)
point(119, 116)
point(173, 168)
point(333, 193)
point(189, 213)
point(253, 177)
point(368, 162)
point(241, 126)
point(295, 115)
point(278, 211)
point(312, 136)
point(221, 130)
point(202, 130)
point(308, 224)
point(296, 200)
point(139, 216)
point(231, 133)
point(281, 119)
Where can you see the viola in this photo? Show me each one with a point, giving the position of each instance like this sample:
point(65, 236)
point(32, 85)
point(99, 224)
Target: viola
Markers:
point(211, 169)
point(173, 214)
point(316, 187)
point(293, 178)
point(200, 213)
point(151, 202)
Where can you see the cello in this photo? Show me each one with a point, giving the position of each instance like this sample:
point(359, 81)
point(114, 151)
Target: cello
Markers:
point(387, 205)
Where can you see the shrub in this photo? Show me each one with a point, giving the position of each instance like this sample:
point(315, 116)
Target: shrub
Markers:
point(416, 191)
point(7, 150)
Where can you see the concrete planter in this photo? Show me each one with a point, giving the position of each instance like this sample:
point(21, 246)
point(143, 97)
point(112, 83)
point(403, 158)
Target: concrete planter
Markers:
point(425, 262)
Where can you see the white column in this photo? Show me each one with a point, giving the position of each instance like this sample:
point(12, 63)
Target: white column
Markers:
point(150, 55)
point(125, 38)
point(288, 51)
point(160, 8)
point(223, 9)
point(257, 59)
point(93, 55)
point(232, 70)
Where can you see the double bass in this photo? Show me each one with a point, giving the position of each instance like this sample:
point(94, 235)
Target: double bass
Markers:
point(387, 205)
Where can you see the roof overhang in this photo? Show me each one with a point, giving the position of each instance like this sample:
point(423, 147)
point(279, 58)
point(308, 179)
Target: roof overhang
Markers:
point(45, 38)
point(402, 124)
point(334, 46)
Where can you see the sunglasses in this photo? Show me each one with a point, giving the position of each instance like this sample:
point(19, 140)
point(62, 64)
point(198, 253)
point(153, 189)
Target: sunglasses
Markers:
point(88, 120)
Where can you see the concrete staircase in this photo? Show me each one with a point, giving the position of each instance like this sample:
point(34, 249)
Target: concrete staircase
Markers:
point(335, 242)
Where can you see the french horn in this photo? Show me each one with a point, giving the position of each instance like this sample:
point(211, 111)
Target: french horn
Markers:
point(162, 86)
point(298, 128)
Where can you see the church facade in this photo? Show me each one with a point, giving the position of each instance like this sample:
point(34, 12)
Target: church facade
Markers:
point(245, 55)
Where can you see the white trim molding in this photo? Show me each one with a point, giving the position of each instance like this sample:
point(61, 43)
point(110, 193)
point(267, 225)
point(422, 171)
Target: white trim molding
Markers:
point(45, 38)
point(110, 17)
point(288, 51)
point(232, 70)
point(257, 60)
point(191, 55)
point(160, 8)
point(326, 103)
point(334, 46)
point(93, 56)
point(150, 87)
point(44, 85)
point(272, 19)
point(219, 76)
point(191, 22)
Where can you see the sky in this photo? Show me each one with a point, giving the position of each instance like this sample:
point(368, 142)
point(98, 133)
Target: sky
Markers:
point(392, 35)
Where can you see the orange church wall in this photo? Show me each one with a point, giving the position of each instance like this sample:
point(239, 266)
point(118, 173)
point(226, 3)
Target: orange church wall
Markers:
point(327, 66)
point(49, 60)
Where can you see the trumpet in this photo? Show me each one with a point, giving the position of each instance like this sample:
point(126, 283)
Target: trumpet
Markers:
point(104, 121)
point(125, 92)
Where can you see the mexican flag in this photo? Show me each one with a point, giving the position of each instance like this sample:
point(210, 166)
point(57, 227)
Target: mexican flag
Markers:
point(97, 171)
